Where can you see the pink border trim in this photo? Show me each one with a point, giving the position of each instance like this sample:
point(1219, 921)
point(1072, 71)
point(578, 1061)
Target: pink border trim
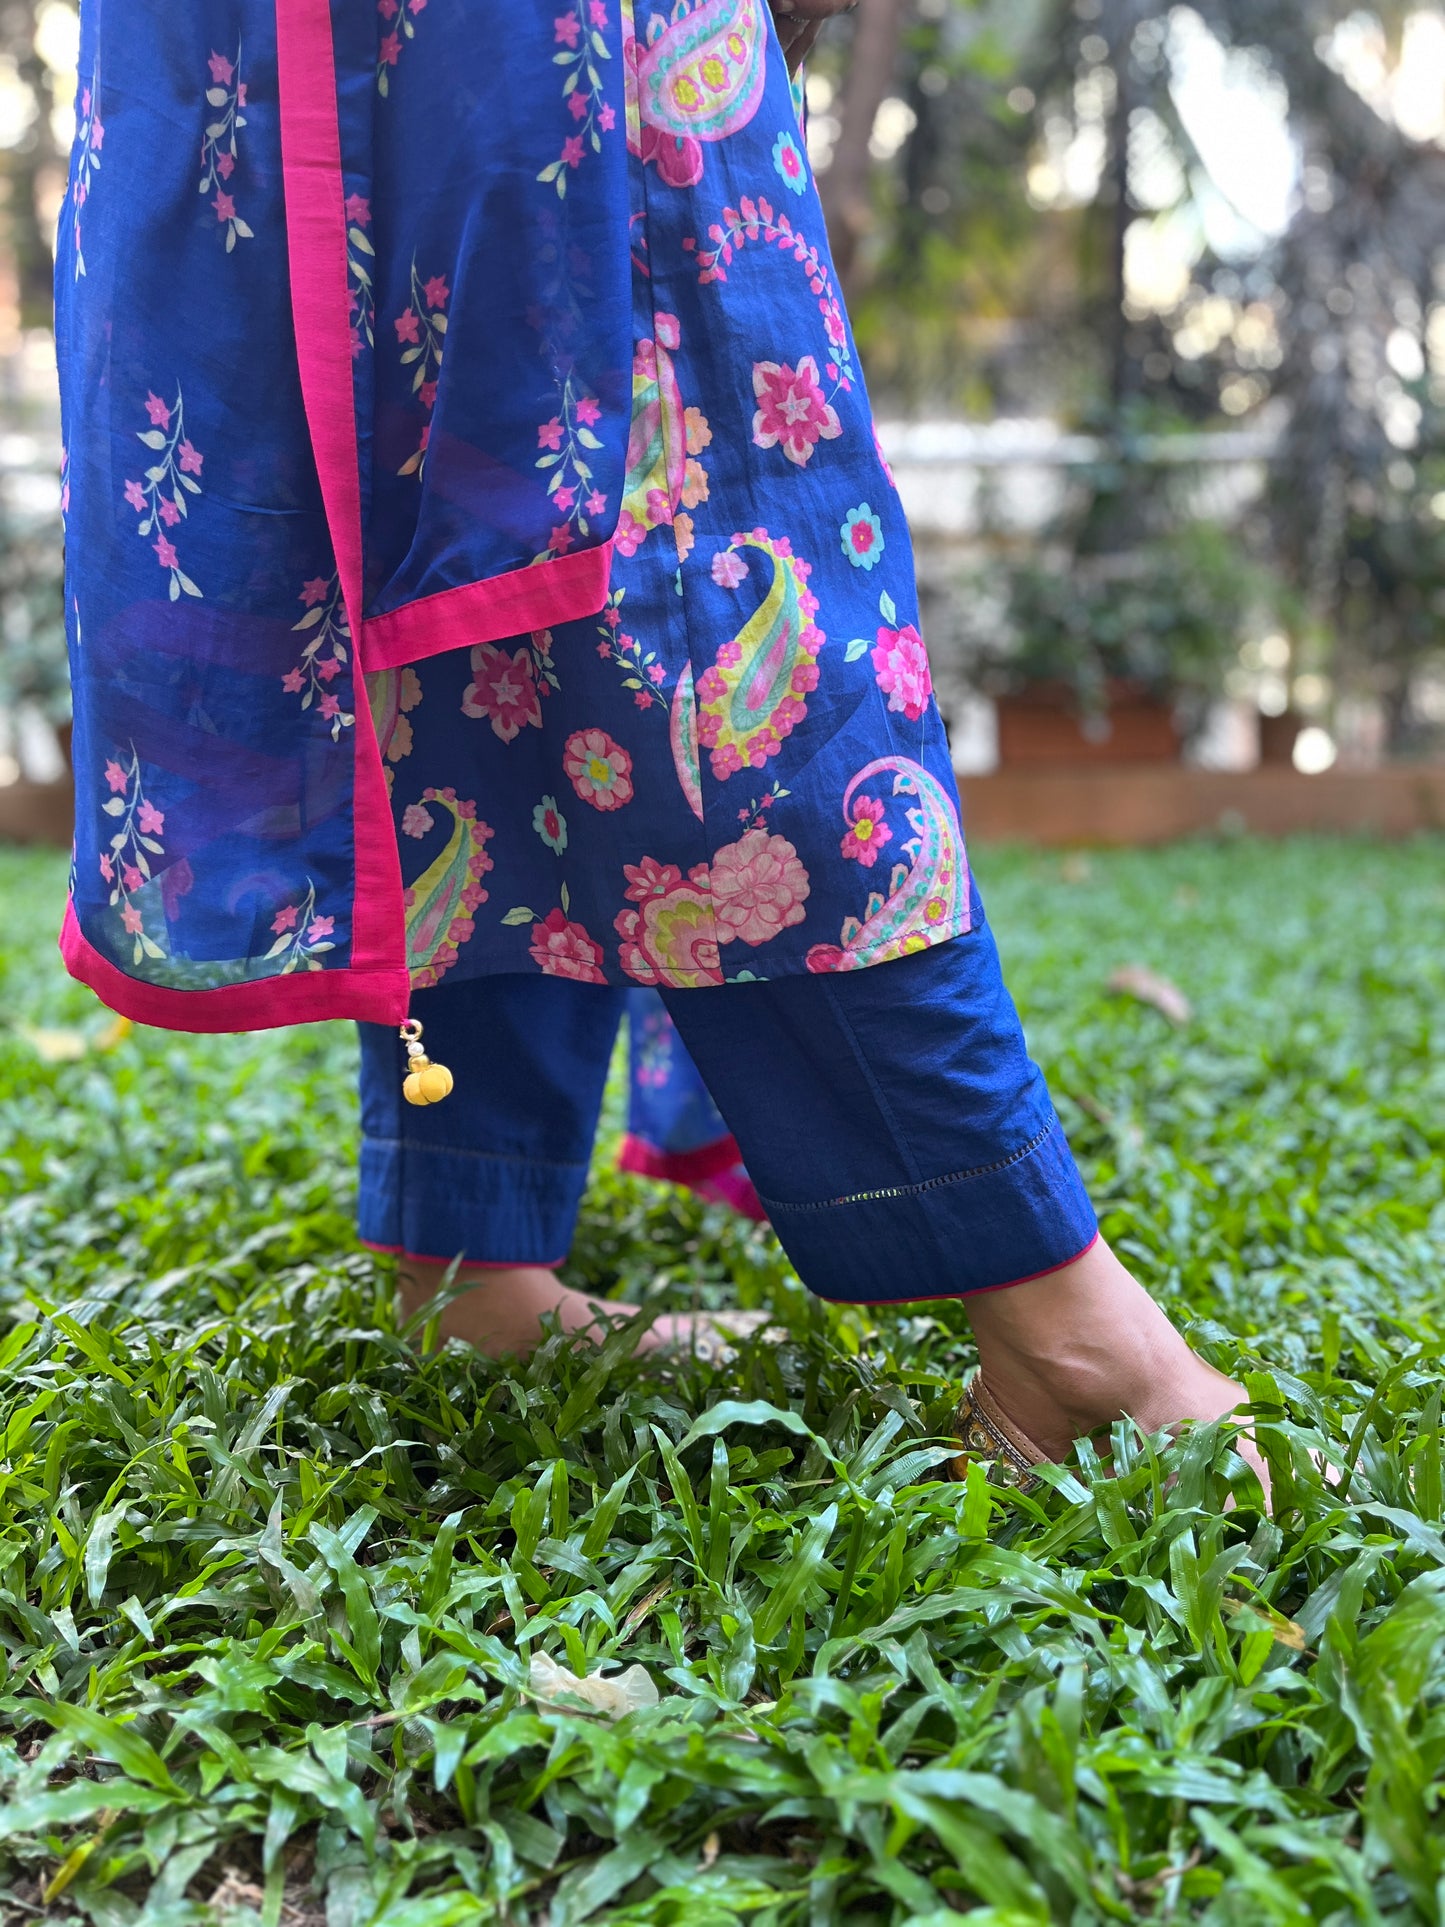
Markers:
point(375, 996)
point(644, 1160)
point(564, 590)
point(320, 308)
point(947, 1297)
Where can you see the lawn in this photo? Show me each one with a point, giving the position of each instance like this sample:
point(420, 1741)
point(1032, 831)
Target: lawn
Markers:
point(269, 1585)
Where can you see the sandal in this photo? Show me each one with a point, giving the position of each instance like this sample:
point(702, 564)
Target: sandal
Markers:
point(986, 1432)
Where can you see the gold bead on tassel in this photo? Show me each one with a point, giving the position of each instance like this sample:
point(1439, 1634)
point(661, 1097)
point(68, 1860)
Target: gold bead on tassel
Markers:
point(425, 1082)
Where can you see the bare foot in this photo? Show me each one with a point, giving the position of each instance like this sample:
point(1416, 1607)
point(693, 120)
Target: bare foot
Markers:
point(501, 1310)
point(1067, 1355)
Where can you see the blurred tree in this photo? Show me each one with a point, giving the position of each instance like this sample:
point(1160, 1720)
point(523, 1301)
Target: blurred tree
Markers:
point(31, 166)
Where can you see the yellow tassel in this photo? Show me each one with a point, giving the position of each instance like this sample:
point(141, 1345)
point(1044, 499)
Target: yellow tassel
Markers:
point(425, 1082)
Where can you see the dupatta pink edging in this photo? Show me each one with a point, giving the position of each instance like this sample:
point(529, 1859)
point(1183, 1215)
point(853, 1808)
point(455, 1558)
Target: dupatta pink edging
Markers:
point(376, 986)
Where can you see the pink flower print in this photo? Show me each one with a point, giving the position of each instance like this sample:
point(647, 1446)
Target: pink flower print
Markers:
point(416, 820)
point(390, 49)
point(436, 291)
point(596, 503)
point(900, 661)
point(222, 72)
point(604, 650)
point(131, 876)
point(135, 495)
point(358, 210)
point(572, 150)
point(864, 841)
point(160, 414)
point(225, 165)
point(650, 879)
point(414, 7)
point(599, 769)
point(862, 537)
point(107, 869)
point(792, 413)
point(168, 511)
point(330, 706)
point(630, 534)
point(319, 927)
point(759, 887)
point(151, 820)
point(190, 459)
point(284, 920)
point(224, 205)
point(428, 394)
point(567, 27)
point(329, 669)
point(131, 918)
point(314, 591)
point(549, 435)
point(563, 499)
point(563, 949)
point(291, 682)
point(560, 539)
point(388, 9)
point(607, 117)
point(577, 106)
point(97, 135)
point(728, 569)
point(166, 553)
point(597, 13)
point(241, 95)
point(115, 777)
point(657, 673)
point(613, 617)
point(408, 326)
point(504, 690)
point(589, 412)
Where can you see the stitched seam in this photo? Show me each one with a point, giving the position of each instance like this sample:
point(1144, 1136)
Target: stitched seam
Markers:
point(928, 1184)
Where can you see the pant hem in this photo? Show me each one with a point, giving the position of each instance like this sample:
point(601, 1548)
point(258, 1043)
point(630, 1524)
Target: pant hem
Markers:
point(965, 1291)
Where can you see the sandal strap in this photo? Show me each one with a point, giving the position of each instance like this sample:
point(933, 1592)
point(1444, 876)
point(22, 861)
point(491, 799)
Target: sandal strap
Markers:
point(986, 1431)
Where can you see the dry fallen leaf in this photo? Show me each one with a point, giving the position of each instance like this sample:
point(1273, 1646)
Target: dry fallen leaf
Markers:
point(1266, 1619)
point(613, 1696)
point(1075, 869)
point(711, 1848)
point(69, 1046)
point(1148, 987)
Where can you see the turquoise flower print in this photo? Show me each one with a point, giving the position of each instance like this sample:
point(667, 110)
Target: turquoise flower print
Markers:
point(862, 535)
point(788, 159)
point(550, 824)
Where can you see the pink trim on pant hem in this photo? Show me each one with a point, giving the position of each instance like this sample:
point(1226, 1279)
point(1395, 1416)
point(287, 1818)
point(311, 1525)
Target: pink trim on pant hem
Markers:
point(944, 1297)
point(566, 589)
point(469, 1264)
point(644, 1160)
point(375, 996)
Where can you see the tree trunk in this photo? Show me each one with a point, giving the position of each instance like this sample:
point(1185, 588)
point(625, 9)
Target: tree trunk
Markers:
point(877, 31)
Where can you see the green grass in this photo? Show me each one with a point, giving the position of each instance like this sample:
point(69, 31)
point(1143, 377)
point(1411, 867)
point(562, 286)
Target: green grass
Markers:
point(268, 1584)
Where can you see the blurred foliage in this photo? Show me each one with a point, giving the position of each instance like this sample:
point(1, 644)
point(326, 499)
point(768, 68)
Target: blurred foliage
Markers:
point(1166, 617)
point(32, 616)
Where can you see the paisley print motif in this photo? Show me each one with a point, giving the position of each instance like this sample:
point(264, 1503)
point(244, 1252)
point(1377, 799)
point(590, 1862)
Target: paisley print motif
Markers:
point(441, 903)
point(928, 897)
point(751, 699)
point(393, 694)
point(699, 79)
point(682, 733)
point(663, 472)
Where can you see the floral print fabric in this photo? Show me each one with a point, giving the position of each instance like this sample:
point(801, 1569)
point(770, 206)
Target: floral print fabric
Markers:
point(735, 769)
point(588, 301)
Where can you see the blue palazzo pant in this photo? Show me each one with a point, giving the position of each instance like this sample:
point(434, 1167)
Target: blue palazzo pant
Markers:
point(900, 1138)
